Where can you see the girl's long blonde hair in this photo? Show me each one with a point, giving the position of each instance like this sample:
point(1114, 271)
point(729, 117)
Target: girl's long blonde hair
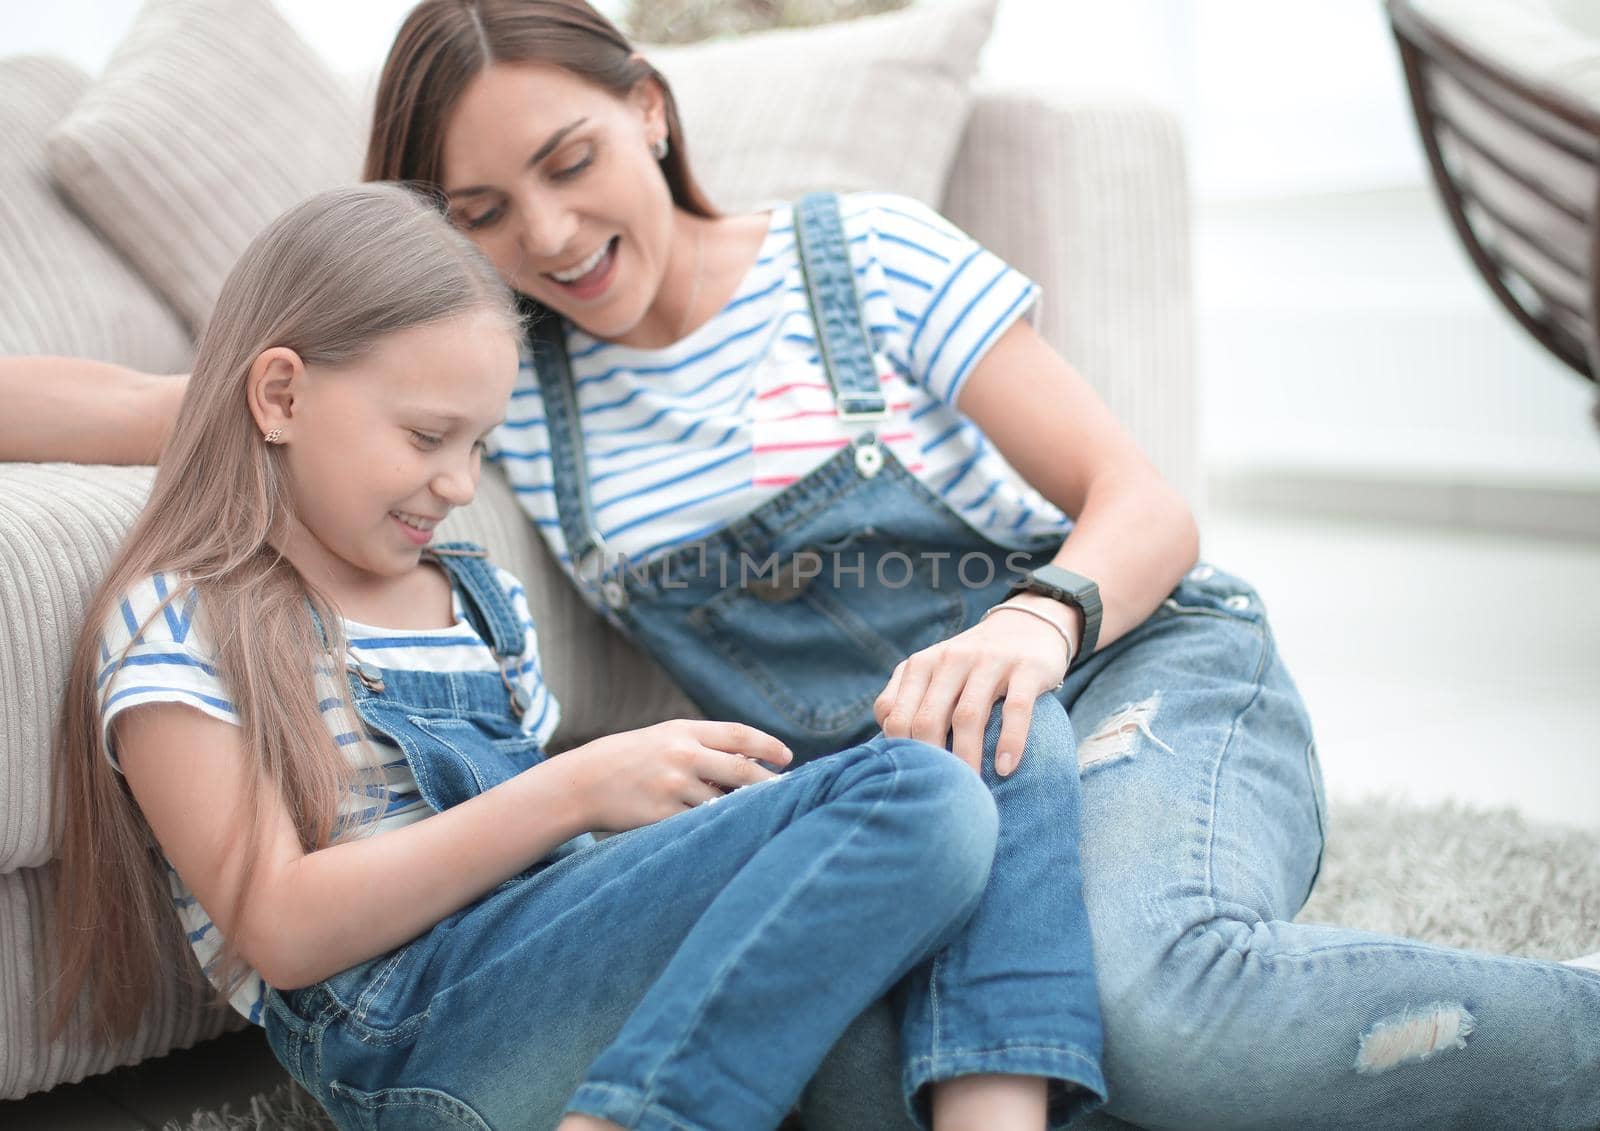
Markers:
point(328, 279)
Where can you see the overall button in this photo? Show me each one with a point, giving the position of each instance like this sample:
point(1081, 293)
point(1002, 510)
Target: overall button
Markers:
point(520, 700)
point(1237, 601)
point(869, 460)
point(370, 675)
point(612, 592)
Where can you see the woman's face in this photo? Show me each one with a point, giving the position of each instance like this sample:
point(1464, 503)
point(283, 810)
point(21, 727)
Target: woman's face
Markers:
point(554, 179)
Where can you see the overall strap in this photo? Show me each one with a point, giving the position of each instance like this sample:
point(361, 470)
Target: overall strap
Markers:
point(830, 279)
point(569, 467)
point(485, 602)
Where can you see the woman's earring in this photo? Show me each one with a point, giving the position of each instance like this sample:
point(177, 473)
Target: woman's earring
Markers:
point(274, 437)
point(660, 148)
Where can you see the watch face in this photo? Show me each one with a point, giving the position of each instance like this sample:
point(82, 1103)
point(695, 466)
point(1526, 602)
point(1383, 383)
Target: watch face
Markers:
point(1070, 584)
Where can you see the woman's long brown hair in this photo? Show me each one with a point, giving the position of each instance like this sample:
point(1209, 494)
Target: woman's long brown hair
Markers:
point(328, 279)
point(444, 44)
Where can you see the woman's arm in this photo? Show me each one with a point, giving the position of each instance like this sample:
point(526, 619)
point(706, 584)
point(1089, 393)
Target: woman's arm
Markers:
point(310, 915)
point(77, 411)
point(1132, 533)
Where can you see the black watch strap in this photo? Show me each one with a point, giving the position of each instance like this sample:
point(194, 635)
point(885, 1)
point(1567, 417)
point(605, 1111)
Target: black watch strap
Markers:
point(1070, 589)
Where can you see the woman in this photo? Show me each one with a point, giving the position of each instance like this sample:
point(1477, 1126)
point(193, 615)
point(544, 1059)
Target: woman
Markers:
point(686, 338)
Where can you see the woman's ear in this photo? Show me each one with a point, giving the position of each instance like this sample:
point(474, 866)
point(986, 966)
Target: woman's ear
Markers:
point(276, 381)
point(650, 100)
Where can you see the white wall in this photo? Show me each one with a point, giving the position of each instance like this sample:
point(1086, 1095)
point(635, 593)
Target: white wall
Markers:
point(1277, 99)
point(1343, 334)
point(351, 34)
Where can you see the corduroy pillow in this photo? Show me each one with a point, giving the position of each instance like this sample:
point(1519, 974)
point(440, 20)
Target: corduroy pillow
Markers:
point(874, 103)
point(63, 290)
point(211, 118)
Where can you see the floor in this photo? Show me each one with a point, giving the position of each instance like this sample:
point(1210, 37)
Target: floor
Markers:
point(1438, 663)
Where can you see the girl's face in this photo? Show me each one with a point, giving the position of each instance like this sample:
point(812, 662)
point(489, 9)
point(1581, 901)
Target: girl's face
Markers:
point(554, 179)
point(379, 450)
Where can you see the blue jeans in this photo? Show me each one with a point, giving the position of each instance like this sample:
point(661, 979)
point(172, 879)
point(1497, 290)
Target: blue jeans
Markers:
point(1202, 834)
point(692, 973)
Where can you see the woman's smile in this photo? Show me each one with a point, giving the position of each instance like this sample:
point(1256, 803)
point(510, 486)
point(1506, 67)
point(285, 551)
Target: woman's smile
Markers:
point(591, 278)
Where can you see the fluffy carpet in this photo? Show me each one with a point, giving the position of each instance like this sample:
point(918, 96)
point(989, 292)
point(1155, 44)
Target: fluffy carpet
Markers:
point(1482, 880)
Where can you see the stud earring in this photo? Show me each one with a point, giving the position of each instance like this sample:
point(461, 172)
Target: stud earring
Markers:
point(274, 437)
point(660, 148)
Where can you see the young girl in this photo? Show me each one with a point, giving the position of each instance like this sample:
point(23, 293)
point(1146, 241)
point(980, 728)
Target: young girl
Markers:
point(334, 731)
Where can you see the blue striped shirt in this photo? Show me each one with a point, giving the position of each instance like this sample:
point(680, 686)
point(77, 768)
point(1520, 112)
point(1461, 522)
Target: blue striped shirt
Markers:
point(682, 440)
point(171, 660)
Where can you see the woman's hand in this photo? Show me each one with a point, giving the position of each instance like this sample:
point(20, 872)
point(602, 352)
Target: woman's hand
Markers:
point(950, 688)
point(642, 776)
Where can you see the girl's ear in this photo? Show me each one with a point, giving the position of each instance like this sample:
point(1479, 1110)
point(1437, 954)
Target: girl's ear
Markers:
point(276, 381)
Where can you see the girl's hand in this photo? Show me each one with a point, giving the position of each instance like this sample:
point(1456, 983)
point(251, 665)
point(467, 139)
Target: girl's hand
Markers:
point(949, 689)
point(642, 776)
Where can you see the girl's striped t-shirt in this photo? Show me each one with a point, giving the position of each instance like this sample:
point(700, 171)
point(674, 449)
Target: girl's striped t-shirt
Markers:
point(680, 441)
point(171, 660)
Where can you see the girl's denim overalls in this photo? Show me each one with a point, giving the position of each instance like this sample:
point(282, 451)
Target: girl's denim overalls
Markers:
point(690, 973)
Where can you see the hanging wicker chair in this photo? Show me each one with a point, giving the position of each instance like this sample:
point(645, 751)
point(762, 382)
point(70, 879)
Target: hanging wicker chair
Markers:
point(1517, 162)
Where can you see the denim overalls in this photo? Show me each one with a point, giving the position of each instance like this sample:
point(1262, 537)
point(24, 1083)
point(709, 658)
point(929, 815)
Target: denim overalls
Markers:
point(802, 654)
point(461, 732)
point(792, 617)
point(1203, 813)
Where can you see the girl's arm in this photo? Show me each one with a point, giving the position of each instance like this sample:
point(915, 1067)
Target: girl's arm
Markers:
point(311, 915)
point(78, 411)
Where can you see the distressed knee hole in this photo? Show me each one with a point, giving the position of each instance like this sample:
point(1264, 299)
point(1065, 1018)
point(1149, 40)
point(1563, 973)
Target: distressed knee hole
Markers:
point(1113, 739)
point(1413, 1035)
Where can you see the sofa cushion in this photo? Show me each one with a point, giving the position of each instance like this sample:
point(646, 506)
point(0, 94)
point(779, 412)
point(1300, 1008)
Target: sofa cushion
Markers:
point(62, 290)
point(874, 103)
point(213, 116)
point(210, 119)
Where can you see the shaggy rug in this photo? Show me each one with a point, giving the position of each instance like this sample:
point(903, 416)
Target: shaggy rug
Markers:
point(1477, 879)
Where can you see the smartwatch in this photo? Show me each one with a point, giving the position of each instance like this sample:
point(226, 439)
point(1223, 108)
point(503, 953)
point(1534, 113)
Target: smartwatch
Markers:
point(1070, 589)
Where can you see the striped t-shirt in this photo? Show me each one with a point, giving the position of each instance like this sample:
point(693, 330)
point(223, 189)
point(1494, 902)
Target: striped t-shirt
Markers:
point(680, 441)
point(173, 661)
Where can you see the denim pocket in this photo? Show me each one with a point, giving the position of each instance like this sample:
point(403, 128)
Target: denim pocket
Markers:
point(404, 1109)
point(816, 650)
point(377, 995)
point(453, 758)
point(1209, 591)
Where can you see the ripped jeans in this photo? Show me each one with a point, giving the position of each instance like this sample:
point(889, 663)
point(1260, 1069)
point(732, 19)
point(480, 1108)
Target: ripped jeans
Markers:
point(1202, 836)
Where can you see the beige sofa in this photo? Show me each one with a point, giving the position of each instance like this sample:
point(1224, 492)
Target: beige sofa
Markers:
point(124, 197)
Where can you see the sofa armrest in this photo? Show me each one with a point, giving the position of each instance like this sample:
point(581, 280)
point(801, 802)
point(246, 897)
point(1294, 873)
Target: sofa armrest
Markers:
point(60, 525)
point(1090, 197)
